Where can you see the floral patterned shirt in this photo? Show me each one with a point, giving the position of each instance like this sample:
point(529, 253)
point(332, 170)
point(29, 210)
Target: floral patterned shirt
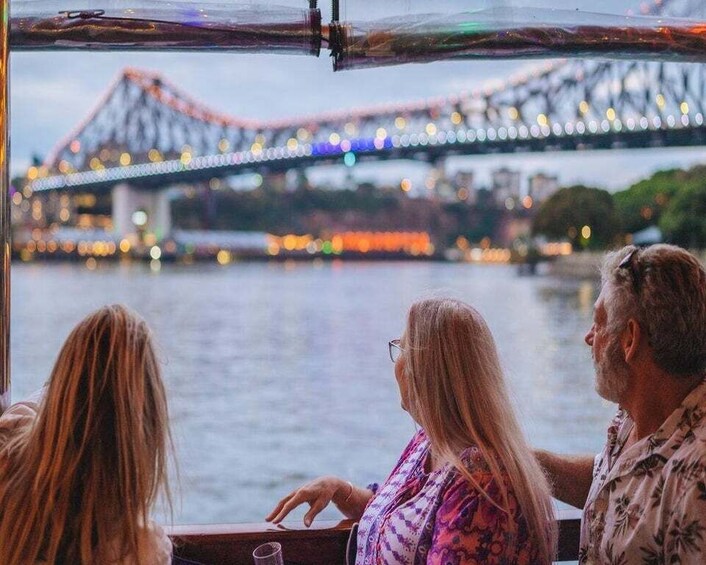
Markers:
point(439, 518)
point(647, 505)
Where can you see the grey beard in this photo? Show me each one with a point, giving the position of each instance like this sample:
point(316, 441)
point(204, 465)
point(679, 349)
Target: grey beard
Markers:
point(611, 373)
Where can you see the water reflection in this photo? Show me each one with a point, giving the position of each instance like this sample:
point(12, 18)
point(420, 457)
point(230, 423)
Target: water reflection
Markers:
point(279, 372)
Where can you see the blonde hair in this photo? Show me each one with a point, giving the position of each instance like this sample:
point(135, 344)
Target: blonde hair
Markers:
point(457, 394)
point(79, 484)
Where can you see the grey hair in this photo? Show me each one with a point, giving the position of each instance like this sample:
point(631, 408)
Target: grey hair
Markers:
point(670, 307)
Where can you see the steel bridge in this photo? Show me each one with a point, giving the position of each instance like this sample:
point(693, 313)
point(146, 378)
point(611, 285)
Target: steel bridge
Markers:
point(147, 134)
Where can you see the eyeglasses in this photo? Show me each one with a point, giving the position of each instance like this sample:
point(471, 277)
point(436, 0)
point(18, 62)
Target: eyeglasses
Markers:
point(395, 350)
point(633, 267)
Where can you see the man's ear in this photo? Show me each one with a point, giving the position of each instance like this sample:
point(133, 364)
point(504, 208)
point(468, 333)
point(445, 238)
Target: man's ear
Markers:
point(630, 339)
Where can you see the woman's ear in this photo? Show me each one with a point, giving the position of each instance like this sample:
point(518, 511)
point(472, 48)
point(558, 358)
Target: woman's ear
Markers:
point(630, 340)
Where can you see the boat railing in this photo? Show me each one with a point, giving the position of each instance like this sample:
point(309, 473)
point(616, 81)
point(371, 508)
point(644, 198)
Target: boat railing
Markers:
point(324, 543)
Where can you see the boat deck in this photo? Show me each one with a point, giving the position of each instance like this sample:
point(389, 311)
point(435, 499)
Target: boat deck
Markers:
point(322, 544)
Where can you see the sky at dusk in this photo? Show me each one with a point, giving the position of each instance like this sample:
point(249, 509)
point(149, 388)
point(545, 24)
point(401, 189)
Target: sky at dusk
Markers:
point(52, 92)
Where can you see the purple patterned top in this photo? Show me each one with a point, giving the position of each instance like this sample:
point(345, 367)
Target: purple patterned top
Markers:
point(439, 518)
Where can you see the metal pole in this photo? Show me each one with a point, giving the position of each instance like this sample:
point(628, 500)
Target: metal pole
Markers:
point(4, 210)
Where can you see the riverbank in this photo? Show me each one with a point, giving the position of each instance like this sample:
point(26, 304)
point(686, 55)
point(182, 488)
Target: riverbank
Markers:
point(189, 246)
point(586, 265)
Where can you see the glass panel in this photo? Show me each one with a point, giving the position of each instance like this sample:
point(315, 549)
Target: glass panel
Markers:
point(517, 33)
point(49, 24)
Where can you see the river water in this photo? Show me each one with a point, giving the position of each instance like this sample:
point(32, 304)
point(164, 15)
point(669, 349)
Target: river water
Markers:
point(277, 373)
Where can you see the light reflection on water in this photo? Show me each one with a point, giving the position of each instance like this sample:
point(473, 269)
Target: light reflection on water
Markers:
point(279, 372)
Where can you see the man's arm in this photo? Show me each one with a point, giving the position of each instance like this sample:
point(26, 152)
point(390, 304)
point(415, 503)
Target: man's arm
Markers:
point(569, 475)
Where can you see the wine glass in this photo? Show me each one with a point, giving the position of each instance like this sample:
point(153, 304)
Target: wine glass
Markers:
point(269, 553)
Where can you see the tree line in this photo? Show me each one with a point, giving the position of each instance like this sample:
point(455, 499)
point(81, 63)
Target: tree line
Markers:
point(673, 201)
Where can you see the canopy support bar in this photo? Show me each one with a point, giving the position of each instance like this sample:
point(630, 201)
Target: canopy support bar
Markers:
point(4, 210)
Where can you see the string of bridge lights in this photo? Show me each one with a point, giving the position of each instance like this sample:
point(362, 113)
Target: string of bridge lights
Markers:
point(348, 148)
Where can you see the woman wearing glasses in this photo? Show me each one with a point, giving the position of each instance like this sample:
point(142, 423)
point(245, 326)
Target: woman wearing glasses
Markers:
point(467, 488)
point(82, 463)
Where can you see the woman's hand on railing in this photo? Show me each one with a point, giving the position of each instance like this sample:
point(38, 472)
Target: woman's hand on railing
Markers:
point(318, 494)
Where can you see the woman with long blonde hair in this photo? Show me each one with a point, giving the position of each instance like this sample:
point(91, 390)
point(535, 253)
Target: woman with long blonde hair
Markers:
point(467, 489)
point(81, 467)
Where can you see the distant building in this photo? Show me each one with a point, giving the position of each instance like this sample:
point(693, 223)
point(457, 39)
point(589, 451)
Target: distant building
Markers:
point(446, 190)
point(276, 182)
point(439, 186)
point(505, 186)
point(513, 229)
point(464, 187)
point(542, 186)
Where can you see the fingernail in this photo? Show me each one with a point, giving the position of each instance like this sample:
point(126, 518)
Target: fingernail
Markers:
point(307, 523)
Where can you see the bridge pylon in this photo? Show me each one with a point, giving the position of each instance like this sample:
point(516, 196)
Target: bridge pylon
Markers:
point(138, 211)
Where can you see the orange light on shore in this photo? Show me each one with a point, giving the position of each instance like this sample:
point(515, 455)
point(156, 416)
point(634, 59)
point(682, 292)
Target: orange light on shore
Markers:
point(557, 248)
point(411, 243)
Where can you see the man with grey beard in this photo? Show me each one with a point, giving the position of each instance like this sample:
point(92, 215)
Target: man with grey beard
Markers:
point(644, 495)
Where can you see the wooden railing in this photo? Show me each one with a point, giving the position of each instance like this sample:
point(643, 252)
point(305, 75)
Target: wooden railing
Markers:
point(322, 544)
